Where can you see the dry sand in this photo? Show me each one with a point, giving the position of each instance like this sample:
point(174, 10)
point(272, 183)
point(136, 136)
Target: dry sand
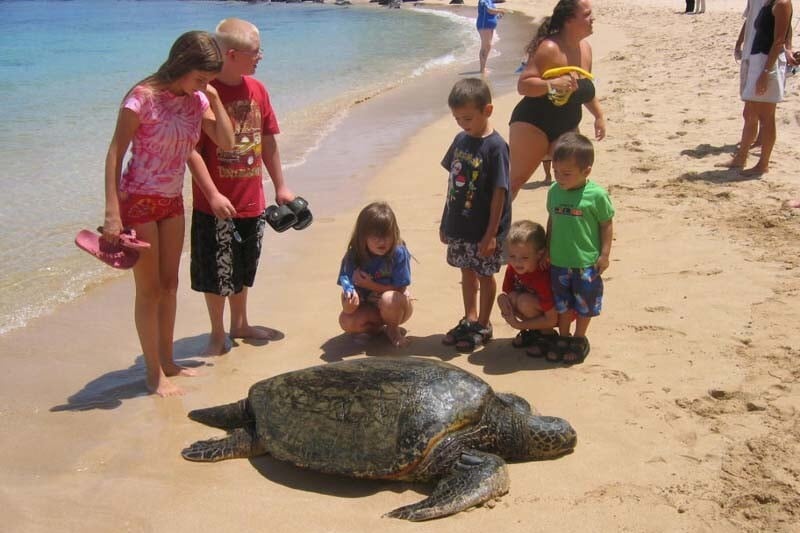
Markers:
point(686, 409)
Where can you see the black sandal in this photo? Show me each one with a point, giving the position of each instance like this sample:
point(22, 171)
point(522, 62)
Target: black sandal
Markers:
point(476, 335)
point(280, 217)
point(525, 338)
point(303, 216)
point(576, 352)
point(541, 344)
point(455, 334)
point(558, 347)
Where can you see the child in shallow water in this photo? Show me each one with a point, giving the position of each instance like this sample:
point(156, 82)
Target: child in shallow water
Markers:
point(375, 275)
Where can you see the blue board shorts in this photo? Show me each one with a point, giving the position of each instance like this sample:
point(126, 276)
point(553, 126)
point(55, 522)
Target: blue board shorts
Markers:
point(579, 289)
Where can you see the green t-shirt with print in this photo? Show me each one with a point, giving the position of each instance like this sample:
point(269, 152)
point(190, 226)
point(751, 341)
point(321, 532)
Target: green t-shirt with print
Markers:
point(576, 216)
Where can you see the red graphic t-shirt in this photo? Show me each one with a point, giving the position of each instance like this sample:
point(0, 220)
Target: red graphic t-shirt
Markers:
point(238, 173)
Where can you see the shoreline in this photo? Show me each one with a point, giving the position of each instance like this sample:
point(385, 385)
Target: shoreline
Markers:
point(342, 159)
point(685, 409)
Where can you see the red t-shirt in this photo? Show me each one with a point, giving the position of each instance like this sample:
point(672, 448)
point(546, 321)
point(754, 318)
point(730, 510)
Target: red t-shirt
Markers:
point(536, 282)
point(237, 173)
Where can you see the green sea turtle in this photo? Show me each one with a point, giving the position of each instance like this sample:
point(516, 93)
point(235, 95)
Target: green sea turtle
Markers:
point(405, 419)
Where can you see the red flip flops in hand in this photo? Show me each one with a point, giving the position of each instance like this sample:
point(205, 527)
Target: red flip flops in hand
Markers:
point(122, 255)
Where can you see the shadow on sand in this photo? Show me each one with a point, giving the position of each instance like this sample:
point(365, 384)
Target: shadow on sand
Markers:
point(111, 389)
point(297, 478)
point(496, 357)
point(703, 150)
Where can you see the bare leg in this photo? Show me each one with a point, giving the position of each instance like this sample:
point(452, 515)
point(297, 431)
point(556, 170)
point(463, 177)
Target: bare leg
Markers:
point(486, 47)
point(505, 305)
point(528, 145)
point(581, 325)
point(146, 311)
point(548, 177)
point(395, 308)
point(757, 142)
point(365, 319)
point(170, 235)
point(469, 293)
point(488, 290)
point(768, 134)
point(218, 340)
point(564, 323)
point(527, 306)
point(240, 327)
point(749, 133)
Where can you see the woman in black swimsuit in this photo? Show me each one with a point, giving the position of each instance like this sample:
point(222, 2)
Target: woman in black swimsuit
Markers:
point(536, 122)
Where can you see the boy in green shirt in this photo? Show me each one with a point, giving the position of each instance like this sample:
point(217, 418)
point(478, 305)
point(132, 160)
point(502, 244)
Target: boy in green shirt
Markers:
point(579, 231)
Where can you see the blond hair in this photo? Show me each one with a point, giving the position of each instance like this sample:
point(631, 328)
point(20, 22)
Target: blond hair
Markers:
point(237, 34)
point(527, 232)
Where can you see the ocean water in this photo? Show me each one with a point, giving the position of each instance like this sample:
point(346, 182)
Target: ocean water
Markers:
point(65, 65)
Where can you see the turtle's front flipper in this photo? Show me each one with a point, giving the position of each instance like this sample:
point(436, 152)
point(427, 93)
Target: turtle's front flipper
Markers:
point(240, 443)
point(476, 478)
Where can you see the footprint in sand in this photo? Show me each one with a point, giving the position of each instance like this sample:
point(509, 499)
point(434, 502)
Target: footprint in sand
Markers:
point(617, 376)
point(647, 328)
point(657, 309)
point(720, 402)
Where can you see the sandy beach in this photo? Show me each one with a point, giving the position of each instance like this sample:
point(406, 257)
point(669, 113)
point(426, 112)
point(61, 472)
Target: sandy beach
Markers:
point(686, 409)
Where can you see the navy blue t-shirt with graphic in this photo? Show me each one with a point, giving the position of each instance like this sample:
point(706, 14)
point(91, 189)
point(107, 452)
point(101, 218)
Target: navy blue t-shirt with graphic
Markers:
point(477, 166)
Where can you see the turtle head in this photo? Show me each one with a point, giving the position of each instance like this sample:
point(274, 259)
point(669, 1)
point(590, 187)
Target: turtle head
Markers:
point(523, 435)
point(546, 437)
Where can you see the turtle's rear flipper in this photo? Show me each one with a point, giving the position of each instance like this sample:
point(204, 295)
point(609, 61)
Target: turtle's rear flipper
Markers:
point(475, 479)
point(229, 416)
point(240, 443)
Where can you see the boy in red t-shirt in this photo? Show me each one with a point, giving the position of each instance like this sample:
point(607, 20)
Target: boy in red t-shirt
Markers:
point(527, 299)
point(226, 246)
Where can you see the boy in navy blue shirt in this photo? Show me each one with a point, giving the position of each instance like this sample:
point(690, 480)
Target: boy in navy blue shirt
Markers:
point(477, 209)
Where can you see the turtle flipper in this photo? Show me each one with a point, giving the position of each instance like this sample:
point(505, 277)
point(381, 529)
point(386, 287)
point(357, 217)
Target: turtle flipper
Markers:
point(239, 443)
point(229, 416)
point(475, 479)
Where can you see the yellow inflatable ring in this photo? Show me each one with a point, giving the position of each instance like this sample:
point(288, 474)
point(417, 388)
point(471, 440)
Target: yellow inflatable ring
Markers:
point(560, 71)
point(557, 97)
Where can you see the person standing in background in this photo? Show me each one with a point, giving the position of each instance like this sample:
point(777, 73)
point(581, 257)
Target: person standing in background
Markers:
point(486, 23)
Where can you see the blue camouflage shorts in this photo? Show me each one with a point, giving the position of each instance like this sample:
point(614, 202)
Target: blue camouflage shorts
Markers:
point(580, 289)
point(464, 254)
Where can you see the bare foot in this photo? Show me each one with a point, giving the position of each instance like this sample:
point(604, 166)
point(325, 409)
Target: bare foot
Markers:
point(733, 163)
point(165, 388)
point(397, 336)
point(793, 203)
point(173, 369)
point(217, 345)
point(255, 333)
point(757, 170)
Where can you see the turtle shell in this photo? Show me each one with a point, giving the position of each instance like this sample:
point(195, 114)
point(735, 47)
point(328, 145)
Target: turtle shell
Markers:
point(371, 418)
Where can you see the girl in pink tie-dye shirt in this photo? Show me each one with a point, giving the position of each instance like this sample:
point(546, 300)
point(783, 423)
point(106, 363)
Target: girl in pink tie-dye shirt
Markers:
point(160, 120)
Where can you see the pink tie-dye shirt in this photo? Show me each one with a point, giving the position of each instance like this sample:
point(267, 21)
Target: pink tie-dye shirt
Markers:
point(169, 127)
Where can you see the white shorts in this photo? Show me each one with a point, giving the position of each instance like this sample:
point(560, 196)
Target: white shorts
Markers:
point(751, 69)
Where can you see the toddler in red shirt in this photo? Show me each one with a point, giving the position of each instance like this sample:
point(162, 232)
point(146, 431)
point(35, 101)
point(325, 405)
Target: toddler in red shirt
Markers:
point(526, 302)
